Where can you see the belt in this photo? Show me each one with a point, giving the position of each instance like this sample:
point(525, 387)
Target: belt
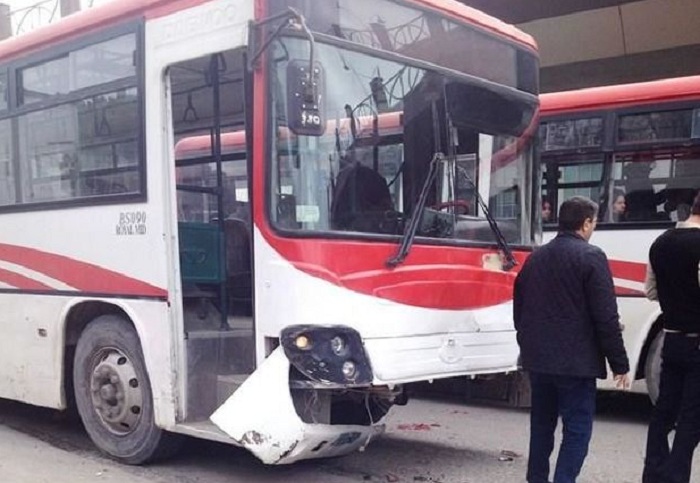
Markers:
point(684, 334)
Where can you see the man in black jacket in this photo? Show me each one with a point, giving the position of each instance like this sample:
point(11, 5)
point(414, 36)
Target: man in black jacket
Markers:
point(567, 324)
point(673, 278)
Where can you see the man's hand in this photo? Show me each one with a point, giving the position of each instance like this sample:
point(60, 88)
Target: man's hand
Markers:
point(622, 381)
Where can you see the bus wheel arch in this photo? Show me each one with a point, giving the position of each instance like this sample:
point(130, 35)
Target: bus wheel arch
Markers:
point(78, 317)
point(113, 392)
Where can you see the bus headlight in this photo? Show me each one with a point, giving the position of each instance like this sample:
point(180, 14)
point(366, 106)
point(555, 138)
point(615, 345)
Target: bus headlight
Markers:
point(302, 342)
point(349, 370)
point(327, 354)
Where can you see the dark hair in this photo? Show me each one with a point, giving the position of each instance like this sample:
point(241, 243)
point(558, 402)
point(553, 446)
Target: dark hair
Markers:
point(695, 210)
point(574, 212)
point(617, 193)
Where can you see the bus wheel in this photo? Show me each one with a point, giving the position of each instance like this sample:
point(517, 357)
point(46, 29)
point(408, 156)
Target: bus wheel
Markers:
point(652, 366)
point(113, 393)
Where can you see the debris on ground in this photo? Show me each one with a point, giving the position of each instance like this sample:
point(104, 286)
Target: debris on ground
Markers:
point(508, 455)
point(415, 427)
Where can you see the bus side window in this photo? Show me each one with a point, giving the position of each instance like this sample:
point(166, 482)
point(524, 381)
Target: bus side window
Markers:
point(683, 186)
point(657, 187)
point(580, 176)
point(643, 198)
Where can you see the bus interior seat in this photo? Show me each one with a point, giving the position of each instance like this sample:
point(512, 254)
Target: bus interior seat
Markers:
point(360, 193)
point(642, 205)
point(240, 210)
point(239, 265)
point(642, 199)
point(682, 188)
point(286, 210)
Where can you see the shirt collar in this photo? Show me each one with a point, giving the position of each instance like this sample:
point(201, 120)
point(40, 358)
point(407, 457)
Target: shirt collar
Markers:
point(570, 234)
point(687, 224)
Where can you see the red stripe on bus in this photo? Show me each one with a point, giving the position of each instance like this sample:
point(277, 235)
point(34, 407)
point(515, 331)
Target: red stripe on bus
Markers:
point(20, 281)
point(82, 276)
point(434, 277)
point(435, 286)
point(624, 291)
point(633, 271)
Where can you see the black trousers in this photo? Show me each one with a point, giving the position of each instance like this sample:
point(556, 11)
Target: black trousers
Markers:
point(678, 406)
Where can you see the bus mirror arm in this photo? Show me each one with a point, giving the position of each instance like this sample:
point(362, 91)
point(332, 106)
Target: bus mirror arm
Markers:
point(305, 78)
point(291, 18)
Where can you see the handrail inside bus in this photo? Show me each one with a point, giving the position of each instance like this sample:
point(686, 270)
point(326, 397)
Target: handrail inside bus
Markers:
point(389, 124)
point(235, 142)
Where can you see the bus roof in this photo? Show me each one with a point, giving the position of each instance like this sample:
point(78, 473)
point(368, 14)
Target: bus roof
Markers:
point(477, 17)
point(90, 20)
point(116, 11)
point(607, 97)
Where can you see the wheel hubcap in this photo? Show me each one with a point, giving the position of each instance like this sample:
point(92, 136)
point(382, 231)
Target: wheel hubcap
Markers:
point(116, 391)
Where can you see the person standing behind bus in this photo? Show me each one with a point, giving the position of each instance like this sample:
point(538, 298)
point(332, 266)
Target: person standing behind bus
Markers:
point(567, 324)
point(673, 278)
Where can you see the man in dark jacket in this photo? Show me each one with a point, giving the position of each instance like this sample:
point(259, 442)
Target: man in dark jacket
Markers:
point(567, 324)
point(673, 278)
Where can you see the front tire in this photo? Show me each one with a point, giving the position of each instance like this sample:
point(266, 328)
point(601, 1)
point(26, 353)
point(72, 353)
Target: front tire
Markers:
point(652, 366)
point(113, 393)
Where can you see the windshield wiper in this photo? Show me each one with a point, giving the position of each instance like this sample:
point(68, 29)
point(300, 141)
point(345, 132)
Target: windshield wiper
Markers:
point(409, 233)
point(510, 260)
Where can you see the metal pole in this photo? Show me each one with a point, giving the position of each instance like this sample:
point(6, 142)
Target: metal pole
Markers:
point(5, 22)
point(69, 7)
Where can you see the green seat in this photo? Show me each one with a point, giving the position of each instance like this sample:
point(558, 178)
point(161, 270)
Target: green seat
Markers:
point(201, 253)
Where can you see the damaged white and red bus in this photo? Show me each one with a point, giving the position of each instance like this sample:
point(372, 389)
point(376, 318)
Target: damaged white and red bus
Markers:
point(635, 148)
point(278, 295)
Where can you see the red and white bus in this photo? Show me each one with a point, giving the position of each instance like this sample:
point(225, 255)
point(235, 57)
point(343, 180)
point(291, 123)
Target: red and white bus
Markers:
point(253, 221)
point(636, 149)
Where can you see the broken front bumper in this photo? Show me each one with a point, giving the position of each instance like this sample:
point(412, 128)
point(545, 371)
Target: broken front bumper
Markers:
point(260, 416)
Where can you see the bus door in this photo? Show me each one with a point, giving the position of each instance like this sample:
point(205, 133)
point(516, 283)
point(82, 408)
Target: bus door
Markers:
point(214, 227)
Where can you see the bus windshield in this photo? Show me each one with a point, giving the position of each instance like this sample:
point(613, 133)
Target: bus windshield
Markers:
point(384, 122)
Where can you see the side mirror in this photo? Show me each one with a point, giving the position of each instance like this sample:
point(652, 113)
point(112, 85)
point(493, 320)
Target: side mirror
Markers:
point(305, 98)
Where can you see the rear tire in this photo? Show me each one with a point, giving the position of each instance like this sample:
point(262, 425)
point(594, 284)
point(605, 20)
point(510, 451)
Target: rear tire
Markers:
point(652, 366)
point(113, 393)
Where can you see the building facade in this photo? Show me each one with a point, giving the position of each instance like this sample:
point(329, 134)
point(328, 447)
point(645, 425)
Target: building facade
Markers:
point(586, 43)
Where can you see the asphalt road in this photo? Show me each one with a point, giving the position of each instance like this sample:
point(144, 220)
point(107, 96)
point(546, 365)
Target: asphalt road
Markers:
point(429, 440)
